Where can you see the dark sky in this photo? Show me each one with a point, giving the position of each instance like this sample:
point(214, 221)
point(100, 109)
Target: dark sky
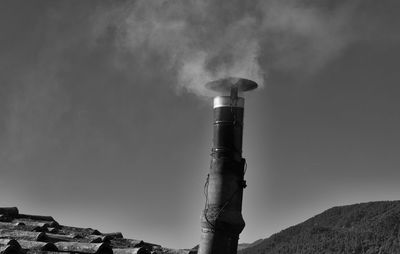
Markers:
point(104, 122)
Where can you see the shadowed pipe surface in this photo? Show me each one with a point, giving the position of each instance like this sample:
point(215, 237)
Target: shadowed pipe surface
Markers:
point(222, 220)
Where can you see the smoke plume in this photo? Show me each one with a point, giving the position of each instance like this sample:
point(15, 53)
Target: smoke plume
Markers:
point(65, 61)
point(201, 41)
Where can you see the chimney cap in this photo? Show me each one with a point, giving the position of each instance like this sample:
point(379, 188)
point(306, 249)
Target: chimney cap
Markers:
point(227, 84)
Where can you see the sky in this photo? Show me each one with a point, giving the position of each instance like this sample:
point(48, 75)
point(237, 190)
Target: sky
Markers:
point(105, 122)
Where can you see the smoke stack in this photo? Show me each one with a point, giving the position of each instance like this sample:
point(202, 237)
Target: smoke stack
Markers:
point(222, 221)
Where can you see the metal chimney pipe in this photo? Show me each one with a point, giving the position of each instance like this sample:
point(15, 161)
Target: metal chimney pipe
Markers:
point(221, 220)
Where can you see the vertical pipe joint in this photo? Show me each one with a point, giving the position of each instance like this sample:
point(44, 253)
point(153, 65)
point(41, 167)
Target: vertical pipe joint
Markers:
point(222, 220)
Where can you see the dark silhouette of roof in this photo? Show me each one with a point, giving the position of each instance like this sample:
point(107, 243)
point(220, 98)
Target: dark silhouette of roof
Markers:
point(34, 234)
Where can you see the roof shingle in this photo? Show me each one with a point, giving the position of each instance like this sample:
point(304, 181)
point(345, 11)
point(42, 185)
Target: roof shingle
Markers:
point(34, 234)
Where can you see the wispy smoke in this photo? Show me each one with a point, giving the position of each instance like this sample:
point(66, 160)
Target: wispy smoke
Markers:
point(206, 40)
point(61, 59)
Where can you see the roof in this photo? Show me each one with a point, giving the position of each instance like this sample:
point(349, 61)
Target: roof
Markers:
point(35, 234)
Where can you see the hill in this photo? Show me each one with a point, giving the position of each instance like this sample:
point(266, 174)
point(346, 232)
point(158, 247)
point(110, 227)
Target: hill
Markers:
point(366, 228)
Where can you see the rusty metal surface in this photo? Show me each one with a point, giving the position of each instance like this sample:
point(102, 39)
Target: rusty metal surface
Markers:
point(222, 220)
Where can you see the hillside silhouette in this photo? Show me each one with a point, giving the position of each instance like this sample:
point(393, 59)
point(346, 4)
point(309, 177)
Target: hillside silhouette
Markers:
point(366, 228)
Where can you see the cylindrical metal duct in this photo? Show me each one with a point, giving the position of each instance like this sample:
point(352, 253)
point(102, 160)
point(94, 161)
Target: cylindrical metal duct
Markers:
point(222, 221)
